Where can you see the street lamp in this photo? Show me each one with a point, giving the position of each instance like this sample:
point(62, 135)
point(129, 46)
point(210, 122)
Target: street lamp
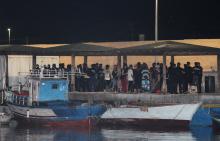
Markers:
point(156, 20)
point(164, 86)
point(9, 36)
point(156, 25)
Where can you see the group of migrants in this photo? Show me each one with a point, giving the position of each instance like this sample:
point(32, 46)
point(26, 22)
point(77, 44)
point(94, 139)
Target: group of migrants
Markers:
point(126, 79)
point(137, 78)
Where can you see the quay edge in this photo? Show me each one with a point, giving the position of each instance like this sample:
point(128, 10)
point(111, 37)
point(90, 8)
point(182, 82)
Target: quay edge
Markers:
point(147, 98)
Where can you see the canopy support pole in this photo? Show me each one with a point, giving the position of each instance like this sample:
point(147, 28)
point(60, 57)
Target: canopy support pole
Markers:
point(85, 59)
point(34, 61)
point(73, 70)
point(6, 73)
point(172, 59)
point(164, 86)
point(125, 61)
point(218, 71)
point(119, 62)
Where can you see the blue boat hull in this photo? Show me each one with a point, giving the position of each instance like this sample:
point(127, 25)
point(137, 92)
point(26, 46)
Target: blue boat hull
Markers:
point(204, 116)
point(57, 115)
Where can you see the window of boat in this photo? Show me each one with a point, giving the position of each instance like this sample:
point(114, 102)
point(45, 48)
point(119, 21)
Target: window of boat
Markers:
point(55, 86)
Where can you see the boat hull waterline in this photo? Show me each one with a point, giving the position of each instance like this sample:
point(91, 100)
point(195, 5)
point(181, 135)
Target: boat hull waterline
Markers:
point(80, 116)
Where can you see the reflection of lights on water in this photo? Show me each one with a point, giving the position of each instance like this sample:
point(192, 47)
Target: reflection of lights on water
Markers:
point(27, 135)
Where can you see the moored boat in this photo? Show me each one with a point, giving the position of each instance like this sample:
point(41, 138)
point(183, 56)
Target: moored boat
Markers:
point(45, 102)
point(175, 116)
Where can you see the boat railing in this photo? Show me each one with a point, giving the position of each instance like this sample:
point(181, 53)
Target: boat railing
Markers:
point(45, 73)
point(16, 98)
point(20, 100)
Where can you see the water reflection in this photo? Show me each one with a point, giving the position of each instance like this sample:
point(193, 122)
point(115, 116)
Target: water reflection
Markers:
point(203, 133)
point(80, 134)
point(48, 134)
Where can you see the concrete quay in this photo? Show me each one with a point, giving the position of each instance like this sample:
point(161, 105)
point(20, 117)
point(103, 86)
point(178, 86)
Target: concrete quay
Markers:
point(147, 98)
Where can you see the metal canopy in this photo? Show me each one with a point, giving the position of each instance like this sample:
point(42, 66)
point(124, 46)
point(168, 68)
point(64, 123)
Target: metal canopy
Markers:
point(86, 49)
point(20, 50)
point(81, 49)
point(169, 48)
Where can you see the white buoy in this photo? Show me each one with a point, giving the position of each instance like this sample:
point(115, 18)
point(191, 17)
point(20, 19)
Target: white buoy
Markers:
point(28, 113)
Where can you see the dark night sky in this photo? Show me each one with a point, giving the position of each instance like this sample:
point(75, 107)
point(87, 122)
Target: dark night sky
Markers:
point(107, 20)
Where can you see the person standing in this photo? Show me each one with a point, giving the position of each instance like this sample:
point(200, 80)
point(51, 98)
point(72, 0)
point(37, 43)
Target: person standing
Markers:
point(153, 77)
point(180, 77)
point(185, 81)
point(130, 79)
point(197, 76)
point(189, 76)
point(101, 78)
point(115, 79)
point(172, 79)
point(107, 77)
point(78, 77)
point(85, 78)
point(200, 78)
point(138, 77)
point(92, 78)
point(145, 75)
point(124, 79)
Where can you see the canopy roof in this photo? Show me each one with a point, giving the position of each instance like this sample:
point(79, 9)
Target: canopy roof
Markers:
point(81, 49)
point(114, 49)
point(169, 48)
point(20, 50)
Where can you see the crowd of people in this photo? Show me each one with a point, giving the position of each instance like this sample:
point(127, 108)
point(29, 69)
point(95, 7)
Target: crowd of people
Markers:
point(99, 78)
point(134, 79)
point(138, 78)
point(184, 78)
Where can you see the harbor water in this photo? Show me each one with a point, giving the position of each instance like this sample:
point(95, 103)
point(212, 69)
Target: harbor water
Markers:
point(9, 133)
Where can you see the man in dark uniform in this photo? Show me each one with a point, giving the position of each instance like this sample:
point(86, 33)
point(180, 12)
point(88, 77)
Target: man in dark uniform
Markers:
point(188, 76)
point(197, 76)
point(101, 80)
point(172, 78)
point(200, 77)
point(180, 79)
point(92, 79)
point(85, 78)
point(78, 78)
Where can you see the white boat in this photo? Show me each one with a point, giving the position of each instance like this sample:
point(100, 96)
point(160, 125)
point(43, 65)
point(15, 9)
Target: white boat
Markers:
point(173, 115)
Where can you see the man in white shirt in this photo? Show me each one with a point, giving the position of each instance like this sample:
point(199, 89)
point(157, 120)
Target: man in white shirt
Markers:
point(107, 74)
point(130, 79)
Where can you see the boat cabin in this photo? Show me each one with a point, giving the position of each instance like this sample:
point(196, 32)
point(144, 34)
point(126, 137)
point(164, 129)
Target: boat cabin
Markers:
point(47, 89)
point(42, 88)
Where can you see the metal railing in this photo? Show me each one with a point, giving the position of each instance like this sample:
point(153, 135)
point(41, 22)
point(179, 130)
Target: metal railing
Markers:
point(45, 73)
point(16, 98)
point(19, 100)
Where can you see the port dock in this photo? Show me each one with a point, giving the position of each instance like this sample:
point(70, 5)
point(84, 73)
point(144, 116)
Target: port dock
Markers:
point(147, 98)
